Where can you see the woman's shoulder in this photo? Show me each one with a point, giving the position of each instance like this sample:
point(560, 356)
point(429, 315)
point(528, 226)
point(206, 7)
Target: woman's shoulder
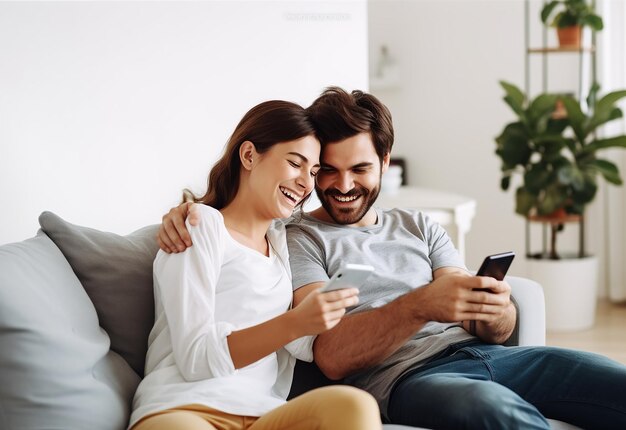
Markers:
point(209, 214)
point(209, 222)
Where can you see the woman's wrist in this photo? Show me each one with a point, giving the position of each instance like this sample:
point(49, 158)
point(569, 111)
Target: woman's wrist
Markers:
point(291, 325)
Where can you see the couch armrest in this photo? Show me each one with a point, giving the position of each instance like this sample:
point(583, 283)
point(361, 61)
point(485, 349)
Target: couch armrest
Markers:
point(531, 312)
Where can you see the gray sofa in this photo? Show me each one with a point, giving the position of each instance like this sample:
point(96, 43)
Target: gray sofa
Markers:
point(76, 307)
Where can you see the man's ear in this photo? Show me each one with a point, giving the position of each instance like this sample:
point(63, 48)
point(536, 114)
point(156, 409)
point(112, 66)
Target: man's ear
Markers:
point(386, 160)
point(248, 154)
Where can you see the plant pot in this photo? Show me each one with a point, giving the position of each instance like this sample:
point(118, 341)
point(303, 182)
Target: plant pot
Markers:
point(569, 37)
point(570, 288)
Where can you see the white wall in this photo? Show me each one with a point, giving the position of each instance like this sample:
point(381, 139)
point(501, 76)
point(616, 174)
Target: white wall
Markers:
point(448, 108)
point(109, 109)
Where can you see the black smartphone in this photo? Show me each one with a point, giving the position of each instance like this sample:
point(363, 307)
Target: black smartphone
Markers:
point(496, 265)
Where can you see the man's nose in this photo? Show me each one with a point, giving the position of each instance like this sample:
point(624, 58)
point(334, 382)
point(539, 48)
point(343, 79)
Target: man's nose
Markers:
point(344, 183)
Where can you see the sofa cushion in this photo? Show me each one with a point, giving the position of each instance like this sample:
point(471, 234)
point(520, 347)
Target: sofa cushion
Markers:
point(116, 272)
point(57, 369)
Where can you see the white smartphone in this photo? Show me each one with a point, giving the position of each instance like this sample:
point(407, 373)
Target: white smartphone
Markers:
point(349, 275)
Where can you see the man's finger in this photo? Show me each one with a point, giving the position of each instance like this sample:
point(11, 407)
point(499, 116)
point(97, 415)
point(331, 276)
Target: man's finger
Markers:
point(481, 309)
point(165, 242)
point(182, 235)
point(485, 282)
point(193, 214)
point(489, 297)
point(163, 246)
point(171, 237)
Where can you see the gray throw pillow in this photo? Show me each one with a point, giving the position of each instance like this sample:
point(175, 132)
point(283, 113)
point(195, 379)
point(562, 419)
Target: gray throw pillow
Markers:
point(56, 368)
point(116, 272)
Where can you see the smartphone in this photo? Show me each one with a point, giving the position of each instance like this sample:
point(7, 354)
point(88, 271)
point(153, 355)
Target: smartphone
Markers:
point(496, 265)
point(348, 276)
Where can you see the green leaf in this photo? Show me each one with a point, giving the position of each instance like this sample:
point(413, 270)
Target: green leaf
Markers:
point(557, 126)
point(609, 171)
point(605, 109)
point(519, 111)
point(550, 148)
point(513, 145)
point(565, 19)
point(571, 175)
point(571, 145)
point(540, 108)
point(612, 142)
point(524, 201)
point(547, 10)
point(514, 97)
point(587, 194)
point(505, 182)
point(576, 117)
point(593, 21)
point(611, 98)
point(593, 95)
point(550, 138)
point(537, 178)
point(554, 198)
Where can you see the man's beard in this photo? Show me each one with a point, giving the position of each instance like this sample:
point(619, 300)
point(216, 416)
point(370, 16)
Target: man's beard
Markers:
point(346, 216)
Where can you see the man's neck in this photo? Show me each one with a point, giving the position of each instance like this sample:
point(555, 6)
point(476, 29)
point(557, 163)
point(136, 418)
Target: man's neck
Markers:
point(370, 218)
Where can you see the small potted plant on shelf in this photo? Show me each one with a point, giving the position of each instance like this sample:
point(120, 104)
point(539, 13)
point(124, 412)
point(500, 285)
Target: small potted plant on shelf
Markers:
point(557, 160)
point(571, 16)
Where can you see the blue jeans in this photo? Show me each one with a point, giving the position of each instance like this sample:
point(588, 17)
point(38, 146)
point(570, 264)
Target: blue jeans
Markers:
point(479, 386)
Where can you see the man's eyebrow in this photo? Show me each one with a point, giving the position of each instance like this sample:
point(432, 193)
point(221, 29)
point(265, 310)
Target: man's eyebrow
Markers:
point(365, 164)
point(304, 159)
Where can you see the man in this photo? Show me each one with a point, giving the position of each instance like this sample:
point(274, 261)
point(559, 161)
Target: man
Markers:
point(423, 340)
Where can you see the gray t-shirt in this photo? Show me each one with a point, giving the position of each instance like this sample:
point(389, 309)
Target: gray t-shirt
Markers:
point(405, 247)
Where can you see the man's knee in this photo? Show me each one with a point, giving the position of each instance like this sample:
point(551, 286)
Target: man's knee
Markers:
point(489, 405)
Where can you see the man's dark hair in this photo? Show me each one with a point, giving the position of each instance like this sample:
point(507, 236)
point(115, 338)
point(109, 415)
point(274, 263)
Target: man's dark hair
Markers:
point(338, 115)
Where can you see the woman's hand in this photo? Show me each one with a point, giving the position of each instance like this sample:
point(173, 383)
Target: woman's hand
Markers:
point(319, 311)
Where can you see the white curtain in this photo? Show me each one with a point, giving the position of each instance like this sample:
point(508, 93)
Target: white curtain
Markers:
point(612, 76)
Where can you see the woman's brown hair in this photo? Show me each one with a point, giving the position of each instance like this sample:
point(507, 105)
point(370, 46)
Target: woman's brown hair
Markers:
point(264, 125)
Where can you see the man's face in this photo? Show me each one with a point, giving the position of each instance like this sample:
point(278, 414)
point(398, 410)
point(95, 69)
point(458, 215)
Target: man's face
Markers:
point(348, 182)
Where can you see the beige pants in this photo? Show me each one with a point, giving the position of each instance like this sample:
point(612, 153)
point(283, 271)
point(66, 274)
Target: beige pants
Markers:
point(335, 407)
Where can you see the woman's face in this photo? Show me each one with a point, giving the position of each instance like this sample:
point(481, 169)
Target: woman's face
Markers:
point(284, 175)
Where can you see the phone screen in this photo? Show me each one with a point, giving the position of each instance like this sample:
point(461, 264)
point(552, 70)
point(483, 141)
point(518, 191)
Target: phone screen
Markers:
point(496, 265)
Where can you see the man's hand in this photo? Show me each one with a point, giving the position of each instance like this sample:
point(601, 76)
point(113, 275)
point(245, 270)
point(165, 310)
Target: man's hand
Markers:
point(460, 297)
point(498, 326)
point(173, 236)
point(453, 298)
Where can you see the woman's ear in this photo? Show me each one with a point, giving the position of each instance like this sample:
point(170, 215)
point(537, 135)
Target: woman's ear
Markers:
point(247, 154)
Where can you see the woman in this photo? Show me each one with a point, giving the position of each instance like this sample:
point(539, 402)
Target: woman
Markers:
point(217, 356)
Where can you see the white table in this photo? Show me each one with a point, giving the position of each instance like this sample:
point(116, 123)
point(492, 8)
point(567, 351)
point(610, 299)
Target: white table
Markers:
point(449, 210)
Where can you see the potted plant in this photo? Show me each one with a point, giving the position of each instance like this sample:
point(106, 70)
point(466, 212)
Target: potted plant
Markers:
point(571, 16)
point(557, 160)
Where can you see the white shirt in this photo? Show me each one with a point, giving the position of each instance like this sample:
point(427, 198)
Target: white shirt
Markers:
point(203, 294)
